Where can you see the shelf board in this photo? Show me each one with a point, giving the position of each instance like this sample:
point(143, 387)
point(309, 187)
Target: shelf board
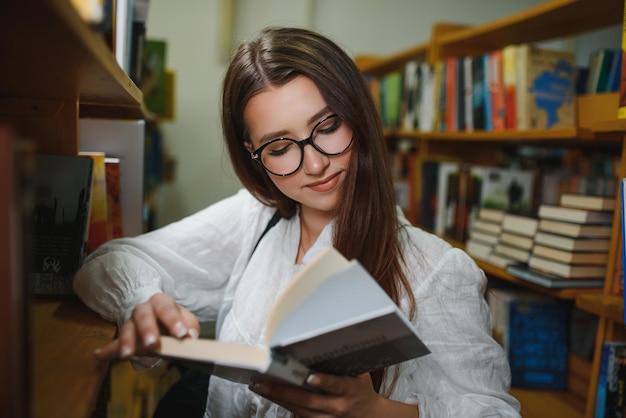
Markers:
point(546, 21)
point(605, 134)
point(57, 56)
point(380, 66)
point(606, 306)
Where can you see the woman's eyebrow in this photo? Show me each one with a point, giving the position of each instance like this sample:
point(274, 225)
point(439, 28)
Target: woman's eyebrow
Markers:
point(278, 134)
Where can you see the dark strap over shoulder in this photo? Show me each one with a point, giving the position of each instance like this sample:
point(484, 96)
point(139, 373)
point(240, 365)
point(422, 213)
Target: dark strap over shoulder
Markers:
point(275, 218)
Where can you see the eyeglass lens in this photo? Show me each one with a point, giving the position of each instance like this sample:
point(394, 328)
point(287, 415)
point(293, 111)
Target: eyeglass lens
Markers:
point(284, 156)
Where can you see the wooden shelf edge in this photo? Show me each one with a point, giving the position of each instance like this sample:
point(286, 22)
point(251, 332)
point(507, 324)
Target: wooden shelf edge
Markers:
point(546, 21)
point(78, 63)
point(606, 306)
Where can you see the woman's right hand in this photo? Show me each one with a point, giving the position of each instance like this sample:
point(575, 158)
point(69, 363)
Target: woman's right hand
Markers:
point(142, 332)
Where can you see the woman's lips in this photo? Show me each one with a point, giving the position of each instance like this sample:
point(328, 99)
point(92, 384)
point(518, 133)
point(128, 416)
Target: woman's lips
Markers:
point(325, 185)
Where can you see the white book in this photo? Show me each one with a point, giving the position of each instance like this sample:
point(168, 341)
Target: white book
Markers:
point(516, 240)
point(575, 230)
point(569, 257)
point(569, 271)
point(485, 238)
point(588, 216)
point(519, 224)
point(582, 201)
point(513, 253)
point(313, 327)
point(478, 249)
point(571, 243)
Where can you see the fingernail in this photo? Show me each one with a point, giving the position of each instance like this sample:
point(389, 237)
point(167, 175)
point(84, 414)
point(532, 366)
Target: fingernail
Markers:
point(193, 333)
point(125, 352)
point(179, 330)
point(149, 340)
point(312, 379)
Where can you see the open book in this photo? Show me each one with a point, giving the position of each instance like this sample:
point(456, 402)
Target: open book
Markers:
point(332, 318)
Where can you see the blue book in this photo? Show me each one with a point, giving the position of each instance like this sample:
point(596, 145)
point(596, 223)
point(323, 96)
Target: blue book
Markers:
point(488, 80)
point(612, 83)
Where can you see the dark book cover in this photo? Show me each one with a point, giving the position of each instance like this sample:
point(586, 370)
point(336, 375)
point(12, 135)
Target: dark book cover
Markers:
point(479, 91)
point(62, 189)
point(538, 343)
point(551, 281)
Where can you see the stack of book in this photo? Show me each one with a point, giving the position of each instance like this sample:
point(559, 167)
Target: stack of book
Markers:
point(484, 233)
point(516, 240)
point(572, 242)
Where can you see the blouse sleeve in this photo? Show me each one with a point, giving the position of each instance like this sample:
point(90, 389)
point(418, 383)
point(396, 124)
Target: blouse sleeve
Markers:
point(191, 260)
point(467, 373)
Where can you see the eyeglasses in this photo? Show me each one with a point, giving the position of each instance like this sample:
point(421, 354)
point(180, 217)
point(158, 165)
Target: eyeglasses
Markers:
point(284, 156)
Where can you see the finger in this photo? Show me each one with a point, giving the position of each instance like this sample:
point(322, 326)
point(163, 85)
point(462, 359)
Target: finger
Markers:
point(127, 340)
point(108, 352)
point(146, 324)
point(191, 321)
point(169, 313)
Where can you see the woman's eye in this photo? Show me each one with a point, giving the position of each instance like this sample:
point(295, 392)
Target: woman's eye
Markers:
point(277, 149)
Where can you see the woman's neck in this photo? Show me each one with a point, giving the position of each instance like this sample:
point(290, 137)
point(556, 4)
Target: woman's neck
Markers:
point(311, 226)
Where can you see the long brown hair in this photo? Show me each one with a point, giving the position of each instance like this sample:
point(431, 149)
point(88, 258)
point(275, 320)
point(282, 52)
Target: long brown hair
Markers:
point(366, 223)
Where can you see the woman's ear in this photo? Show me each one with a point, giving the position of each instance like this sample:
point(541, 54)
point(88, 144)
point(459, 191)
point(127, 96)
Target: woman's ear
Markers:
point(248, 146)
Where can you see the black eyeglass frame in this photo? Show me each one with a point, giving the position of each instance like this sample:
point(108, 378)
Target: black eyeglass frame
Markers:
point(256, 154)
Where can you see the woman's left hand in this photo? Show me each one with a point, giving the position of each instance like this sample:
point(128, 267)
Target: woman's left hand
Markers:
point(339, 396)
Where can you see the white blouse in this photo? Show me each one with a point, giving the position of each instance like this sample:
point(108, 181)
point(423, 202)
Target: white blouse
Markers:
point(204, 262)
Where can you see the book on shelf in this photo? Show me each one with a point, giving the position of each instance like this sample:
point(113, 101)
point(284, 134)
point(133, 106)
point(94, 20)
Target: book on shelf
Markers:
point(411, 95)
point(486, 226)
point(479, 249)
point(571, 243)
point(586, 216)
point(533, 331)
point(516, 240)
point(479, 91)
point(312, 327)
point(621, 109)
point(511, 252)
point(62, 197)
point(429, 200)
point(575, 230)
point(468, 91)
point(568, 271)
point(114, 202)
point(491, 214)
point(496, 90)
point(611, 361)
point(571, 257)
point(99, 226)
point(122, 139)
point(501, 260)
point(583, 201)
point(505, 189)
point(484, 237)
point(509, 76)
point(599, 68)
point(546, 87)
point(551, 281)
point(520, 224)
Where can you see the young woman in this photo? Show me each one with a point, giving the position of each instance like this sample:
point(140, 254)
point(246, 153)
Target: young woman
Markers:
point(305, 140)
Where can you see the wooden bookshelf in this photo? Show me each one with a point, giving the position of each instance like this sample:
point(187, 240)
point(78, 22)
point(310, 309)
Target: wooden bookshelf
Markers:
point(598, 129)
point(55, 69)
point(66, 378)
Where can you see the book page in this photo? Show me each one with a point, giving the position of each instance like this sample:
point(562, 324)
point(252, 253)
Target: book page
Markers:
point(303, 284)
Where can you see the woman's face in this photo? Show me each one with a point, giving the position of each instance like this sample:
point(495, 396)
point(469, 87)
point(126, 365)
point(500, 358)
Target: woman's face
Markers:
point(292, 111)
